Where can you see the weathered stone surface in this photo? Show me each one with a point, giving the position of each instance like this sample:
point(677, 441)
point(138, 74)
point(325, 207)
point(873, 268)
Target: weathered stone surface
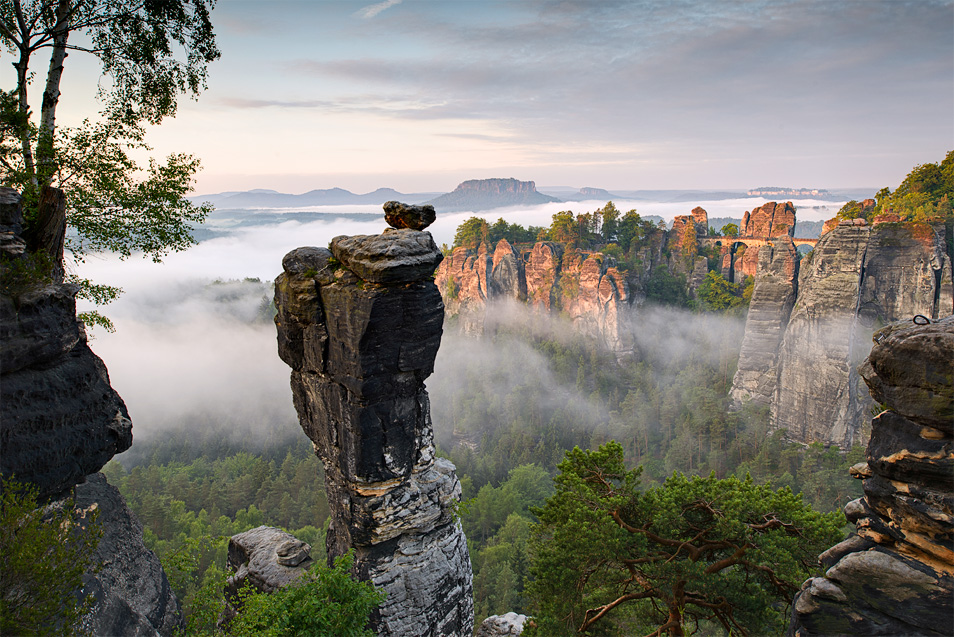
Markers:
point(756, 377)
point(586, 286)
point(132, 593)
point(769, 220)
point(857, 278)
point(896, 576)
point(542, 270)
point(397, 256)
point(359, 356)
point(60, 420)
point(819, 395)
point(266, 558)
point(402, 215)
point(508, 625)
point(911, 370)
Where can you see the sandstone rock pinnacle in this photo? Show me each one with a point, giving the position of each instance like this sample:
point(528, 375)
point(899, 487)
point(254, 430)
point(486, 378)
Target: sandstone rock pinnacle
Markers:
point(360, 326)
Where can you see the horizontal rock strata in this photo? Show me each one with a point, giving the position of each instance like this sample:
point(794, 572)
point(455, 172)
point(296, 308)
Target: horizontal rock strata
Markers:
point(360, 329)
point(895, 576)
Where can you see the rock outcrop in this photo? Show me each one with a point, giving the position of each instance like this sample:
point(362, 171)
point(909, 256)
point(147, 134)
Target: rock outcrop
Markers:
point(587, 286)
point(508, 625)
point(360, 332)
point(895, 576)
point(131, 590)
point(485, 194)
point(756, 377)
point(61, 421)
point(266, 559)
point(770, 221)
point(858, 278)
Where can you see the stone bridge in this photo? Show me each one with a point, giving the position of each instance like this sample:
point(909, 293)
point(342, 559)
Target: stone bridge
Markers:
point(751, 242)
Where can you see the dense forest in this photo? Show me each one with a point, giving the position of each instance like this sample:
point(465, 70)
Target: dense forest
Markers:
point(506, 408)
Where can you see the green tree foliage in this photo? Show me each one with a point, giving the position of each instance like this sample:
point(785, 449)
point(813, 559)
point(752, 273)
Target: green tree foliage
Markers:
point(694, 553)
point(926, 194)
point(324, 602)
point(718, 295)
point(664, 288)
point(730, 230)
point(472, 233)
point(150, 53)
point(45, 552)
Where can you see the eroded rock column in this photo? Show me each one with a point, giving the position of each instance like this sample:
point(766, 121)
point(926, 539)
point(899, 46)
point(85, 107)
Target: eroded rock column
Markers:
point(895, 576)
point(360, 325)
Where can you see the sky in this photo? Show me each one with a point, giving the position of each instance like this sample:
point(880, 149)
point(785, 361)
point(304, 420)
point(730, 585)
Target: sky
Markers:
point(419, 95)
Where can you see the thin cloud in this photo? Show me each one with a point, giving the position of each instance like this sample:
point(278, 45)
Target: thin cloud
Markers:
point(372, 10)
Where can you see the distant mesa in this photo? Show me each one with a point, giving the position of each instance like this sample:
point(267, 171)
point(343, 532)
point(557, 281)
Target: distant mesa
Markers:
point(484, 194)
point(591, 194)
point(776, 191)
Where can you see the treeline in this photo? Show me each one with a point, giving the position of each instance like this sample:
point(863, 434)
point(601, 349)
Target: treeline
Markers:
point(926, 194)
point(600, 229)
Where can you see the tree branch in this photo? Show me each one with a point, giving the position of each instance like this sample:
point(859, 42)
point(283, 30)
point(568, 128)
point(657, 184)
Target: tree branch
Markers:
point(602, 610)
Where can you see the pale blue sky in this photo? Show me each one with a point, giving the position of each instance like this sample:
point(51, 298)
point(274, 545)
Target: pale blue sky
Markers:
point(422, 94)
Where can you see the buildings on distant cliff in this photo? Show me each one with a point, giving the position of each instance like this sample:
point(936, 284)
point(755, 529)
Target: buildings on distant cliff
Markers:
point(774, 191)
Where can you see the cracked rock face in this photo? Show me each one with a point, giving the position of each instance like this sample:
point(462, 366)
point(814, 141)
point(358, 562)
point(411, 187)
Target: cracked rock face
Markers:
point(131, 590)
point(360, 326)
point(810, 322)
point(61, 420)
point(895, 575)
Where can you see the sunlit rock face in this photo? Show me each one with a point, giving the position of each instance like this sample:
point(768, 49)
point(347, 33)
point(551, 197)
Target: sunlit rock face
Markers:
point(858, 278)
point(895, 575)
point(771, 220)
point(586, 286)
point(360, 325)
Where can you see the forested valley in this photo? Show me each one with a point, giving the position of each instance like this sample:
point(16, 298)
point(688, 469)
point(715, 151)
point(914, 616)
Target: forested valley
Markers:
point(506, 408)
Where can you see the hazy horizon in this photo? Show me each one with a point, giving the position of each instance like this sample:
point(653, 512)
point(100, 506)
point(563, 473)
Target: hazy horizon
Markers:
point(419, 95)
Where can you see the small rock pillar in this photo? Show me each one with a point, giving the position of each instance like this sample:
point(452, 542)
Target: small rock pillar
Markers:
point(360, 325)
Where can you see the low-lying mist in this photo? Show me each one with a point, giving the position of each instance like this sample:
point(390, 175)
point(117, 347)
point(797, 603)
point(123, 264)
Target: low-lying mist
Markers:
point(191, 355)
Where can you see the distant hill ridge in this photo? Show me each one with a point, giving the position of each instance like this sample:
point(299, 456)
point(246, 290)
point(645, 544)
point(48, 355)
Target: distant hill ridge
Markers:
point(327, 197)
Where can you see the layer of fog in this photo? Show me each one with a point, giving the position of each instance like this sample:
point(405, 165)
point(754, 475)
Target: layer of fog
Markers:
point(187, 355)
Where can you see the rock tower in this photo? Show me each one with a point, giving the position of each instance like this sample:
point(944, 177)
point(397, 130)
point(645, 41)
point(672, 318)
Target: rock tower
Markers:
point(360, 325)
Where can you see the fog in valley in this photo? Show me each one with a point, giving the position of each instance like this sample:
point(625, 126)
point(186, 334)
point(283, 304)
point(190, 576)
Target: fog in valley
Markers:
point(195, 348)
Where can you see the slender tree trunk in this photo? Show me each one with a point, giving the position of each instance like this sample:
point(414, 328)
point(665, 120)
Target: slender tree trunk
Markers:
point(48, 232)
point(22, 66)
point(46, 165)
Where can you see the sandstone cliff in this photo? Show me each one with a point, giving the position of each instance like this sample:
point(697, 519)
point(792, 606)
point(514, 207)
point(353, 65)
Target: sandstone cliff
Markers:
point(132, 593)
point(857, 278)
point(360, 326)
point(586, 286)
point(772, 300)
point(895, 576)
